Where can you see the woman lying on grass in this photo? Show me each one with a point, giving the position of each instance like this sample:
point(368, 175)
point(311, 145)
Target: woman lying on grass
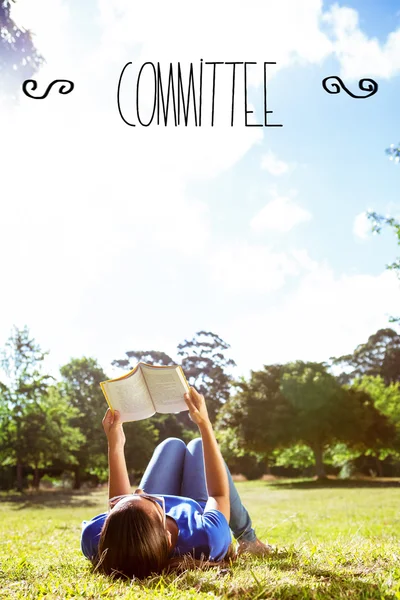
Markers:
point(187, 506)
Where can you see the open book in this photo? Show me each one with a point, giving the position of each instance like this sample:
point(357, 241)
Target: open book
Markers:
point(145, 390)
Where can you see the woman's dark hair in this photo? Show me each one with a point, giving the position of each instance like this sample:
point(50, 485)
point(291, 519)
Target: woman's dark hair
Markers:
point(181, 564)
point(132, 543)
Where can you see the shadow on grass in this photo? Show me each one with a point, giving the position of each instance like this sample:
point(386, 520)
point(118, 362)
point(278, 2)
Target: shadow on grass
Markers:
point(318, 484)
point(334, 588)
point(51, 499)
point(317, 583)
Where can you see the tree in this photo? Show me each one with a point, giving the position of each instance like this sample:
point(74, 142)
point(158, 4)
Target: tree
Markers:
point(239, 458)
point(19, 59)
point(386, 399)
point(379, 356)
point(151, 357)
point(4, 423)
point(80, 385)
point(259, 414)
point(321, 406)
point(374, 433)
point(141, 439)
point(81, 379)
point(298, 456)
point(47, 434)
point(301, 403)
point(22, 361)
point(204, 362)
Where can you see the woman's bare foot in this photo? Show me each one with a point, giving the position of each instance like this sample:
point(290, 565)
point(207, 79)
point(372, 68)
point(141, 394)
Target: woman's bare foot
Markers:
point(256, 548)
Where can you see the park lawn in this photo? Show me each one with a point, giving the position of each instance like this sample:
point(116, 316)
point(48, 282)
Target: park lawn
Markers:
point(334, 541)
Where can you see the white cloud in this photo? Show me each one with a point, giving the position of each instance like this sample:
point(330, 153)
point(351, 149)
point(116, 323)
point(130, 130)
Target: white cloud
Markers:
point(326, 316)
point(362, 226)
point(273, 165)
point(280, 214)
point(393, 209)
point(280, 29)
point(359, 55)
point(250, 269)
point(304, 260)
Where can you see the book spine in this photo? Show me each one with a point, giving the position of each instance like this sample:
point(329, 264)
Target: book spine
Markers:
point(103, 389)
point(148, 389)
point(184, 377)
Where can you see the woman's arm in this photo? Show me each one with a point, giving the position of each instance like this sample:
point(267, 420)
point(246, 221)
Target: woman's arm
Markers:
point(216, 477)
point(118, 480)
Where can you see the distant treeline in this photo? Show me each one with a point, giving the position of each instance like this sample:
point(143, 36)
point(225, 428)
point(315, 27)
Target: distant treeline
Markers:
point(296, 418)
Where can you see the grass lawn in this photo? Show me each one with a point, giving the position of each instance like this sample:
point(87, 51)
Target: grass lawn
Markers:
point(338, 540)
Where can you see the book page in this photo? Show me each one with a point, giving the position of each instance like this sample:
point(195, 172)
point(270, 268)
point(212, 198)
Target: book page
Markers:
point(167, 387)
point(130, 397)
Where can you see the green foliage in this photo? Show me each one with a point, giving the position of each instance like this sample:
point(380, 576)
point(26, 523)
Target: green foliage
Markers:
point(239, 459)
point(379, 356)
point(318, 400)
point(81, 379)
point(340, 454)
point(46, 433)
point(141, 439)
point(386, 399)
point(229, 443)
point(283, 415)
point(301, 404)
point(323, 411)
point(206, 366)
point(22, 362)
point(261, 416)
point(4, 416)
point(80, 387)
point(298, 456)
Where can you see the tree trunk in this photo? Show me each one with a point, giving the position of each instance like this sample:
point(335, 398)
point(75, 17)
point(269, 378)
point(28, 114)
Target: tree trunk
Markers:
point(19, 461)
point(77, 478)
point(319, 463)
point(379, 468)
point(19, 477)
point(36, 478)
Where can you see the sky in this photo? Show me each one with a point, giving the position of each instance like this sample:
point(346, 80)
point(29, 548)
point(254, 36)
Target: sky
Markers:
point(118, 238)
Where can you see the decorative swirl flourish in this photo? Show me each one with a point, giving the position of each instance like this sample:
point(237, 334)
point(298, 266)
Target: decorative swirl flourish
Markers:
point(64, 89)
point(365, 85)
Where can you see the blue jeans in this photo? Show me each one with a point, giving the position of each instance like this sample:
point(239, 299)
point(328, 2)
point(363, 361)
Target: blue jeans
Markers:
point(178, 470)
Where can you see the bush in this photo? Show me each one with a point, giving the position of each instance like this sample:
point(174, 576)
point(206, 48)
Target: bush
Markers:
point(249, 466)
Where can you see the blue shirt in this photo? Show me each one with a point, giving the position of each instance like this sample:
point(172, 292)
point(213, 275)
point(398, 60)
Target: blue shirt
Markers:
point(200, 532)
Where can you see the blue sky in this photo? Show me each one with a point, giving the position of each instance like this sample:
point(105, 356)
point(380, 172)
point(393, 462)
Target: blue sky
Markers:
point(138, 239)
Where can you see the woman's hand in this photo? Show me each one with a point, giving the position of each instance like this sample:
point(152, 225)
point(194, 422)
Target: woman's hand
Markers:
point(197, 407)
point(113, 429)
